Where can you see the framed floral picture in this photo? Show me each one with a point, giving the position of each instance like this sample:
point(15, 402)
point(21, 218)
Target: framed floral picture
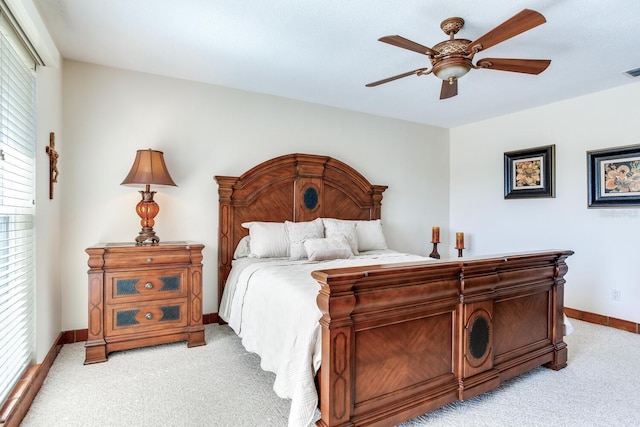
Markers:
point(530, 173)
point(614, 177)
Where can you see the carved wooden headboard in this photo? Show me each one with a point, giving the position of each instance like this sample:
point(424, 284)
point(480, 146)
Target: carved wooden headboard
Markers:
point(294, 187)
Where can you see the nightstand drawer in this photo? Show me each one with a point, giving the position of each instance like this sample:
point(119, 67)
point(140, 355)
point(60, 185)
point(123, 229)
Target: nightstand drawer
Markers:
point(148, 258)
point(142, 285)
point(131, 318)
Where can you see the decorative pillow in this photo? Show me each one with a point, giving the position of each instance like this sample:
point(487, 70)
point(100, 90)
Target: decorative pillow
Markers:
point(336, 228)
point(370, 235)
point(328, 248)
point(243, 249)
point(267, 239)
point(298, 232)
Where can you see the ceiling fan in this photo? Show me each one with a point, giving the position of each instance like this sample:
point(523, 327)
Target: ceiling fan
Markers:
point(451, 59)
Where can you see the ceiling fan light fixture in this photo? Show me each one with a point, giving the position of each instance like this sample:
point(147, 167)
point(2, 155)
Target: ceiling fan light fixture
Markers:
point(452, 68)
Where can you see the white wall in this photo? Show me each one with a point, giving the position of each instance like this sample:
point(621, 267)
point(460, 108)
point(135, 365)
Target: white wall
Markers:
point(606, 241)
point(204, 131)
point(48, 212)
point(48, 307)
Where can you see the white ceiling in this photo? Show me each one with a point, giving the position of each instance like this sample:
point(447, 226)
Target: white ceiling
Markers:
point(325, 51)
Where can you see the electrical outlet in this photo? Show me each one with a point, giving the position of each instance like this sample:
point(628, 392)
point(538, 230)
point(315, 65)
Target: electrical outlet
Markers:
point(615, 294)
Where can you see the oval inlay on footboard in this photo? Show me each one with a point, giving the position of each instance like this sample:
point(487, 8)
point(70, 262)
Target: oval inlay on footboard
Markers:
point(479, 337)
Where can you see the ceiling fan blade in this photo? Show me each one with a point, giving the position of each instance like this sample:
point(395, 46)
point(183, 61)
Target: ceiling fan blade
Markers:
point(529, 66)
point(449, 89)
point(523, 21)
point(418, 72)
point(400, 41)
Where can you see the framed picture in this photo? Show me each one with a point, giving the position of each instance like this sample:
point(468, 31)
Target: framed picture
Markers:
point(530, 173)
point(614, 177)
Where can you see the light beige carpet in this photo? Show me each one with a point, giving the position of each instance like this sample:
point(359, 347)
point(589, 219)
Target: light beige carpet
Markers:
point(221, 384)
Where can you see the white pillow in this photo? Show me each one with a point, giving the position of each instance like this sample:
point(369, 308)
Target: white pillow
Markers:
point(328, 248)
point(243, 249)
point(370, 235)
point(336, 228)
point(267, 239)
point(298, 232)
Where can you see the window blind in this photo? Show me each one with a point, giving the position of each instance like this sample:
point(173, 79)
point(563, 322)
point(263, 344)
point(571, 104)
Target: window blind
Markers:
point(17, 195)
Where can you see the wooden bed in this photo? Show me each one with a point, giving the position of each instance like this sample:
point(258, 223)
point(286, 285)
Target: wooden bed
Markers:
point(400, 340)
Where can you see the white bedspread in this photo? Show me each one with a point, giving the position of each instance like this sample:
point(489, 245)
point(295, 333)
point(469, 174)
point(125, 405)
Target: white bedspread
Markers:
point(271, 305)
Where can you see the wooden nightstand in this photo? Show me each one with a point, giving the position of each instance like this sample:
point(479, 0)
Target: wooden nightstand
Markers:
point(143, 295)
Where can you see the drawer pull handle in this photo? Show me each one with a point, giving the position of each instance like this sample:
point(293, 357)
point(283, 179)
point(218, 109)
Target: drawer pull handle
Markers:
point(148, 316)
point(149, 259)
point(149, 285)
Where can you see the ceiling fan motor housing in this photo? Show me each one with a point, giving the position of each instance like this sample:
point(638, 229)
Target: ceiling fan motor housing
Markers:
point(453, 61)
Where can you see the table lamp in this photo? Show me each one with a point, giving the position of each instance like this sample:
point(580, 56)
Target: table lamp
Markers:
point(148, 168)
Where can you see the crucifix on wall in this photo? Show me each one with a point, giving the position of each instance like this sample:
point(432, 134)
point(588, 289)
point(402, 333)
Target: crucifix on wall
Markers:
point(53, 162)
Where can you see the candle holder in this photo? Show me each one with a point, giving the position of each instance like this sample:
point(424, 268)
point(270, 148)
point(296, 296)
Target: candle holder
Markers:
point(434, 253)
point(459, 242)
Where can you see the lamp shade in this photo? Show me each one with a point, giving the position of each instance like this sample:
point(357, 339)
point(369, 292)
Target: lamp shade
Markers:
point(149, 168)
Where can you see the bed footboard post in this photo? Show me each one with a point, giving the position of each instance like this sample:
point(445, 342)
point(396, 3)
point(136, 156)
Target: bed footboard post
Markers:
point(336, 301)
point(560, 353)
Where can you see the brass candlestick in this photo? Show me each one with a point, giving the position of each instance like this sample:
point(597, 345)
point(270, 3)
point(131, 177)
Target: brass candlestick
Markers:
point(459, 252)
point(434, 253)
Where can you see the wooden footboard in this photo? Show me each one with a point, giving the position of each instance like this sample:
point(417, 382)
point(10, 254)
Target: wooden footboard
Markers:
point(402, 340)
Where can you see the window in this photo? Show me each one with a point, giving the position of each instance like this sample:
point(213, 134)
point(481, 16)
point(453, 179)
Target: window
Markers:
point(17, 195)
